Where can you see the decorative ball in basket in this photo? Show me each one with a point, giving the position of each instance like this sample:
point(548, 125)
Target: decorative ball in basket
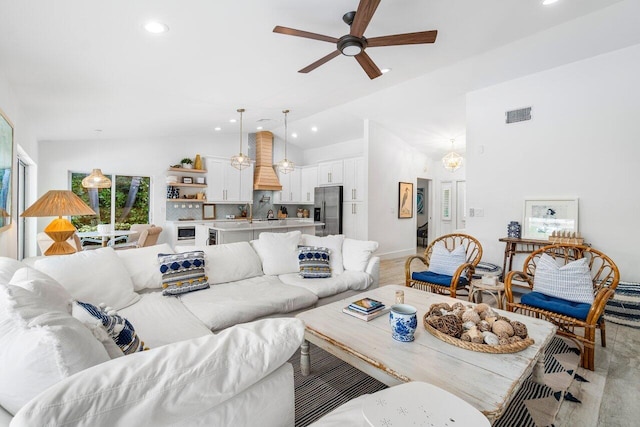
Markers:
point(477, 328)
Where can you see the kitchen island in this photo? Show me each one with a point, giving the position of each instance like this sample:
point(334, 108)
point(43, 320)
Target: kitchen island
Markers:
point(244, 231)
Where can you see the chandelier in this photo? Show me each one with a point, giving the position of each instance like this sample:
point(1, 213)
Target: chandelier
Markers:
point(285, 165)
point(453, 160)
point(240, 161)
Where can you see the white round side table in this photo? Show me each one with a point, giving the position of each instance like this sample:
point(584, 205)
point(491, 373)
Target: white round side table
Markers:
point(496, 291)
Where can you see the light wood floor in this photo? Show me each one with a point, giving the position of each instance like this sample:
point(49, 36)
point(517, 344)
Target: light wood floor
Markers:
point(609, 399)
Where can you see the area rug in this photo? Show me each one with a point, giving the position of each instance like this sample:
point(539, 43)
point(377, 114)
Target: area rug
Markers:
point(624, 307)
point(332, 382)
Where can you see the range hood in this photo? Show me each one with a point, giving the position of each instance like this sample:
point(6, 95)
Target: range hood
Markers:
point(264, 177)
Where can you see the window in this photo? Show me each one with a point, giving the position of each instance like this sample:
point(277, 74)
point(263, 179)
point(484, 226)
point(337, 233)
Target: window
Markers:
point(126, 202)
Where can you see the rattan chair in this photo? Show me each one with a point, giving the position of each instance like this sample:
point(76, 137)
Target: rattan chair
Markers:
point(605, 276)
point(439, 283)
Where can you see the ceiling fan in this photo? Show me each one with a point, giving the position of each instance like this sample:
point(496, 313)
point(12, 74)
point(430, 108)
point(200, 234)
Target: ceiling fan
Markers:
point(354, 43)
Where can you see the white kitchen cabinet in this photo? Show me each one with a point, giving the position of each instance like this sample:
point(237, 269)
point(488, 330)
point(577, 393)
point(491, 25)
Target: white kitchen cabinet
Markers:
point(228, 184)
point(290, 182)
point(354, 220)
point(308, 184)
point(354, 180)
point(330, 173)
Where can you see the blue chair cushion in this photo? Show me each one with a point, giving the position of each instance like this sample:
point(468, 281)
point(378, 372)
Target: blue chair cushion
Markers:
point(579, 310)
point(436, 279)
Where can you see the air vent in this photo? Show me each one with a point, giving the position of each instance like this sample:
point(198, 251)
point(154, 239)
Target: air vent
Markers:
point(518, 115)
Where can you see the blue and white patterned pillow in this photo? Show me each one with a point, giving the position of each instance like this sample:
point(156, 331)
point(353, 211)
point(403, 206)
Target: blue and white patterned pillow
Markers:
point(182, 273)
point(444, 262)
point(117, 327)
point(314, 262)
point(571, 282)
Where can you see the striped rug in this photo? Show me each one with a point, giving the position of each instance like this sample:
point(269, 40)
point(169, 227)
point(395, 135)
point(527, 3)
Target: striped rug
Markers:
point(624, 307)
point(333, 382)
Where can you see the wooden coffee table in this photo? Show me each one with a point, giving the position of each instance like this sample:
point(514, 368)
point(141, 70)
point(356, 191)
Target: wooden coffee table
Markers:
point(487, 381)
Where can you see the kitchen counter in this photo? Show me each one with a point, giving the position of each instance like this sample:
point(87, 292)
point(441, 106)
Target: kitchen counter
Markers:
point(245, 231)
point(262, 225)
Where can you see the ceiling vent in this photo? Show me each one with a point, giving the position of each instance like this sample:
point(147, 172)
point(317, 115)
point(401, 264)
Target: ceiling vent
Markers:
point(520, 115)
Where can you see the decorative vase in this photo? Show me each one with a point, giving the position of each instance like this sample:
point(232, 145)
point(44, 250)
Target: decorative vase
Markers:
point(404, 321)
point(197, 164)
point(186, 165)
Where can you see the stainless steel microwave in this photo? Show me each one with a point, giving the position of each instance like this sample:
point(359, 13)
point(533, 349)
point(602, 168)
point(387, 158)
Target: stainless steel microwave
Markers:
point(186, 232)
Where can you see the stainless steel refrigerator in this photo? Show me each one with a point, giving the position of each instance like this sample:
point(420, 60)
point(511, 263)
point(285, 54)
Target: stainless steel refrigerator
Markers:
point(328, 209)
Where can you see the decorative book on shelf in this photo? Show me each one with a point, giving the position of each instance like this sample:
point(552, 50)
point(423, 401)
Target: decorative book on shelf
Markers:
point(366, 305)
point(365, 316)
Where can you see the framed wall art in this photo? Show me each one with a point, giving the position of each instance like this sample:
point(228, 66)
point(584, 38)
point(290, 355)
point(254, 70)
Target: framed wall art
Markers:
point(208, 211)
point(405, 200)
point(6, 172)
point(544, 216)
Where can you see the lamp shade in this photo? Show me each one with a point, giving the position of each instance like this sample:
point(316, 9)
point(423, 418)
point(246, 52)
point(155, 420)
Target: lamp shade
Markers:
point(58, 203)
point(96, 180)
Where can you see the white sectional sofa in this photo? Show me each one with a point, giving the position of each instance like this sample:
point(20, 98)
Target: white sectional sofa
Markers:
point(215, 357)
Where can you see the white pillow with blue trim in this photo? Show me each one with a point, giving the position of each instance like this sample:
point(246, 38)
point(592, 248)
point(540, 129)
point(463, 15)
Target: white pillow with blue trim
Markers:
point(446, 262)
point(571, 282)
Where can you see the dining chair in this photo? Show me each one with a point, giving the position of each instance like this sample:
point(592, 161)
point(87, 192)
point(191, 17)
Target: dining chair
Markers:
point(148, 236)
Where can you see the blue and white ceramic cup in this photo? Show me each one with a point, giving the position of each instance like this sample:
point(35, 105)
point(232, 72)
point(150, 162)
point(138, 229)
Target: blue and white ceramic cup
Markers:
point(403, 320)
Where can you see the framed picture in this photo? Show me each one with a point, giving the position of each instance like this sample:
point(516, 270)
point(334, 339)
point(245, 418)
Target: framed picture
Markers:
point(405, 200)
point(446, 201)
point(208, 211)
point(6, 163)
point(187, 180)
point(544, 216)
point(420, 200)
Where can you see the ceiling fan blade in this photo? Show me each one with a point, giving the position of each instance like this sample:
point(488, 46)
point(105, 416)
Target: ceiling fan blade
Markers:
point(400, 39)
point(320, 61)
point(365, 12)
point(305, 34)
point(368, 65)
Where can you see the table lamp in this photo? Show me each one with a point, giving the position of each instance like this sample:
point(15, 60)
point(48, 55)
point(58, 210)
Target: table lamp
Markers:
point(59, 203)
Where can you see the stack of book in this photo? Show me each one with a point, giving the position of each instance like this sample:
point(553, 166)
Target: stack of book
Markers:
point(365, 309)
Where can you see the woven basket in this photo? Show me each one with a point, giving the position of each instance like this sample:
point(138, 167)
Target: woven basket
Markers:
point(483, 348)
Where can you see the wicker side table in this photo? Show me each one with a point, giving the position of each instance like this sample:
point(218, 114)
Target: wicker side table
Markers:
point(496, 291)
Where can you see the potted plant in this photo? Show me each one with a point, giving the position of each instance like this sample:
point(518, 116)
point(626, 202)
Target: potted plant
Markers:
point(186, 163)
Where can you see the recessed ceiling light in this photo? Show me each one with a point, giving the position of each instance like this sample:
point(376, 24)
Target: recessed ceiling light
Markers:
point(548, 2)
point(259, 128)
point(294, 135)
point(155, 27)
point(217, 128)
point(314, 129)
point(232, 120)
point(385, 70)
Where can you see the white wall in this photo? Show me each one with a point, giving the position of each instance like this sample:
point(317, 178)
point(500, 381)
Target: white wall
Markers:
point(391, 161)
point(340, 150)
point(581, 141)
point(22, 136)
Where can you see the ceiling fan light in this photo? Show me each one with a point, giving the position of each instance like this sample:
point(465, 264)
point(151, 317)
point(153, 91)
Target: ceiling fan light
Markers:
point(351, 49)
point(350, 45)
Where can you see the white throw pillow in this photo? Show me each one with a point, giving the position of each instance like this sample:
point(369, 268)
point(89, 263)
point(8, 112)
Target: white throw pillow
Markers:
point(167, 385)
point(39, 346)
point(8, 266)
point(96, 276)
point(278, 252)
point(229, 262)
point(142, 265)
point(444, 262)
point(334, 244)
point(46, 287)
point(571, 282)
point(357, 253)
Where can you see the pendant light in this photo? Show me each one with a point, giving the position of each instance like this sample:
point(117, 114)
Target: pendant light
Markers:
point(285, 165)
point(240, 161)
point(96, 180)
point(453, 160)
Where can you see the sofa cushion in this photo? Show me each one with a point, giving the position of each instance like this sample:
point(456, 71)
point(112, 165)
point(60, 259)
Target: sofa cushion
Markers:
point(96, 276)
point(557, 305)
point(228, 304)
point(314, 262)
point(349, 280)
point(8, 266)
point(571, 282)
point(437, 279)
point(357, 253)
point(178, 384)
point(119, 329)
point(142, 265)
point(161, 320)
point(183, 272)
point(44, 286)
point(446, 262)
point(334, 243)
point(39, 345)
point(278, 252)
point(228, 262)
